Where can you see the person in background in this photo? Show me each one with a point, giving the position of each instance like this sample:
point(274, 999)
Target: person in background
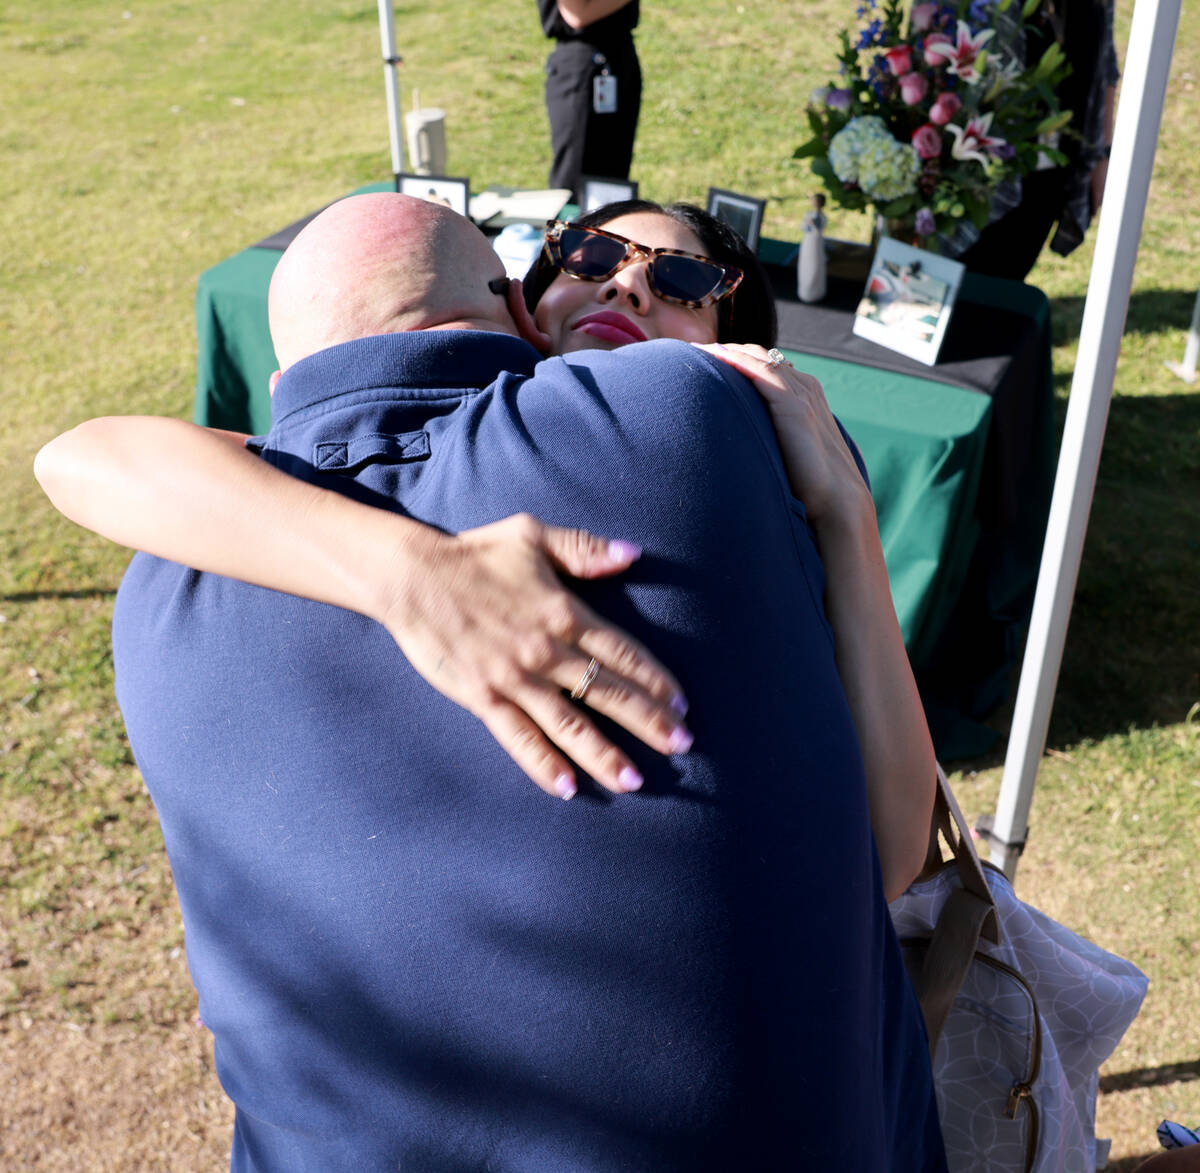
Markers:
point(1068, 196)
point(593, 88)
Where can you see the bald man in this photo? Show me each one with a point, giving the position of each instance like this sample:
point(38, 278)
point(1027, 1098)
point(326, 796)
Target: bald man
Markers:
point(408, 957)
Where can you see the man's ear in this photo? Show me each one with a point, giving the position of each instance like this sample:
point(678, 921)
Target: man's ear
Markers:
point(272, 381)
point(523, 319)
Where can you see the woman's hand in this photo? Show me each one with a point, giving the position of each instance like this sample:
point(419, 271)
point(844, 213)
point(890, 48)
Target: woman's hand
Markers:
point(820, 467)
point(485, 619)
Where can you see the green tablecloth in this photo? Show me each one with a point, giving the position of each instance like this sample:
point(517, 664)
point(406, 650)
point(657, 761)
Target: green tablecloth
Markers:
point(925, 443)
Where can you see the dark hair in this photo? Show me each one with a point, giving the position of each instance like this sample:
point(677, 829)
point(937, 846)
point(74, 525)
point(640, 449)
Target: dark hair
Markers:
point(748, 315)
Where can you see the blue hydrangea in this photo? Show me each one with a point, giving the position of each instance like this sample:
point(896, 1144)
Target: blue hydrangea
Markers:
point(864, 152)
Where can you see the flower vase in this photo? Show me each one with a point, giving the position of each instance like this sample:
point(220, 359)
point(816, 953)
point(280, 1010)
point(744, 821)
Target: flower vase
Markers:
point(901, 230)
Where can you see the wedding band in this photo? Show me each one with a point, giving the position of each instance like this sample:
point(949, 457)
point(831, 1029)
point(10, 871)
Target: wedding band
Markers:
point(585, 681)
point(776, 358)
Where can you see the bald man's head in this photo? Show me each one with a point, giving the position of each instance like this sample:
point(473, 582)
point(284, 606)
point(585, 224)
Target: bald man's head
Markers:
point(379, 264)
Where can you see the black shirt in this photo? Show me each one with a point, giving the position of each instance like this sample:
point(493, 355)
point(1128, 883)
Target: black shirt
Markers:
point(615, 26)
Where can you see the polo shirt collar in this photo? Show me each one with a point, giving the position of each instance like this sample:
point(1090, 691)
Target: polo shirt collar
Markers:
point(423, 364)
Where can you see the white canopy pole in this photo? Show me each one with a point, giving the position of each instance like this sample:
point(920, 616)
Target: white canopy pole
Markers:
point(387, 39)
point(1143, 90)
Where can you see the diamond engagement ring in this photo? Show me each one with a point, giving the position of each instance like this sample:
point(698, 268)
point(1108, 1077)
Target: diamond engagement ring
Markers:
point(585, 681)
point(776, 358)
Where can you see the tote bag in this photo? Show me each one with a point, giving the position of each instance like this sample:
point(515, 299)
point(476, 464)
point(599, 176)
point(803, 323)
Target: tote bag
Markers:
point(1021, 1013)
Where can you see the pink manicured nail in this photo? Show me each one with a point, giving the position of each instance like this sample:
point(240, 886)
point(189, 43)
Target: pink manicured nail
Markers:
point(679, 704)
point(624, 551)
point(681, 740)
point(564, 786)
point(629, 779)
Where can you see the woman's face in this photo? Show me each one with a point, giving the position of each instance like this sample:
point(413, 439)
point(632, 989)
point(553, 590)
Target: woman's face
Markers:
point(586, 315)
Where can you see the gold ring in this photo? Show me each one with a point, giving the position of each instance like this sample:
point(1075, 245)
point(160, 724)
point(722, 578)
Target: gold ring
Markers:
point(776, 358)
point(585, 681)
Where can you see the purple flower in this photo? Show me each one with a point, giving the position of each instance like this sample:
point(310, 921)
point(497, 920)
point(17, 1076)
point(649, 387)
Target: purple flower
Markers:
point(1005, 151)
point(838, 99)
point(925, 223)
point(870, 35)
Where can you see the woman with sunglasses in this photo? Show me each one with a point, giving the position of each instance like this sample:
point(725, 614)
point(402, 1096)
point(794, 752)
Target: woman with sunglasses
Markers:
point(626, 273)
point(677, 272)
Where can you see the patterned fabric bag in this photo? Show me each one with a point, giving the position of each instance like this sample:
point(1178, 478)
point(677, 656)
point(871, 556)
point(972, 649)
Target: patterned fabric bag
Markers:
point(1021, 1012)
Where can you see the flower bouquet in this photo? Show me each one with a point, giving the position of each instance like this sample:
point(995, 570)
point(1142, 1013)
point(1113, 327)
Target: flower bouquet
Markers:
point(927, 120)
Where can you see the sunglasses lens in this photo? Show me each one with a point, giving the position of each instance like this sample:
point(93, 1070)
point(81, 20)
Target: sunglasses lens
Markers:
point(685, 278)
point(585, 254)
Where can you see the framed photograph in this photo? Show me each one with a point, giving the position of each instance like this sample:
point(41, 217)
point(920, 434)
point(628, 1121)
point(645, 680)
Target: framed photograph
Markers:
point(743, 213)
point(440, 189)
point(595, 191)
point(908, 300)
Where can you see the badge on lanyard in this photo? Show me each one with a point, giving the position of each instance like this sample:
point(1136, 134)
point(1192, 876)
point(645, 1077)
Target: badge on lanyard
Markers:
point(604, 93)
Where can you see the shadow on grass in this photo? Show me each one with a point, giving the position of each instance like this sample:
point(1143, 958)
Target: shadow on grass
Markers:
point(1129, 1164)
point(81, 593)
point(1151, 311)
point(1132, 654)
point(1123, 1081)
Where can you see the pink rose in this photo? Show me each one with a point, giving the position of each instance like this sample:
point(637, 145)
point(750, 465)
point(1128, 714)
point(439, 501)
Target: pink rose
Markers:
point(945, 108)
point(922, 17)
point(927, 141)
point(912, 88)
point(899, 59)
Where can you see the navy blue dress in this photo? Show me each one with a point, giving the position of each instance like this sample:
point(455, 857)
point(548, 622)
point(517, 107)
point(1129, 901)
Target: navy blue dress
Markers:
point(409, 956)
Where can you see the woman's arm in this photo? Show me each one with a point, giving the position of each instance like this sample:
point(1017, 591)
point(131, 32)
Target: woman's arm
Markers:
point(896, 747)
point(481, 615)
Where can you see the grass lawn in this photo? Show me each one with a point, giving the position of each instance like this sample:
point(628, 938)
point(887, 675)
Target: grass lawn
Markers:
point(140, 146)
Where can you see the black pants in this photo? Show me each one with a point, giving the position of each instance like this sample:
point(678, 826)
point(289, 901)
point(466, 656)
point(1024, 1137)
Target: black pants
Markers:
point(1010, 246)
point(584, 142)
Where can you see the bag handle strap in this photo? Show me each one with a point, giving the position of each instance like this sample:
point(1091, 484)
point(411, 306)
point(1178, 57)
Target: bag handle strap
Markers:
point(948, 814)
point(968, 914)
point(951, 950)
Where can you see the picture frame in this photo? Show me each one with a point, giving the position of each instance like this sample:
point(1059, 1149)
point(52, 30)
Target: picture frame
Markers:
point(595, 191)
point(908, 300)
point(453, 191)
point(743, 213)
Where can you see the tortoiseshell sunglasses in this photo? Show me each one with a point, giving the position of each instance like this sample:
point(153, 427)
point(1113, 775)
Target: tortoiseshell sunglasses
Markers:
point(592, 254)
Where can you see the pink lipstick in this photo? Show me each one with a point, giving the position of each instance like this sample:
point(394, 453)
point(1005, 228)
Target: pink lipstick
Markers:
point(608, 326)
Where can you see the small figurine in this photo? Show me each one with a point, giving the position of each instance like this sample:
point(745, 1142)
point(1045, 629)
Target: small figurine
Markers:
point(810, 268)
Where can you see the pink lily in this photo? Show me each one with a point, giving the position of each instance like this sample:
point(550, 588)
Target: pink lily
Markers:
point(960, 57)
point(973, 141)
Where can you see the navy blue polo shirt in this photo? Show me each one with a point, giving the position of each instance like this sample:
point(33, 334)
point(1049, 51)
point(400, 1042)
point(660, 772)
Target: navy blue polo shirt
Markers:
point(409, 956)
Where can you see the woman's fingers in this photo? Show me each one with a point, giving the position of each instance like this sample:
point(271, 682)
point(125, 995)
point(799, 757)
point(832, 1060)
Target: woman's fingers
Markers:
point(615, 690)
point(491, 625)
point(584, 555)
point(523, 740)
point(588, 661)
point(549, 735)
point(759, 365)
point(567, 725)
